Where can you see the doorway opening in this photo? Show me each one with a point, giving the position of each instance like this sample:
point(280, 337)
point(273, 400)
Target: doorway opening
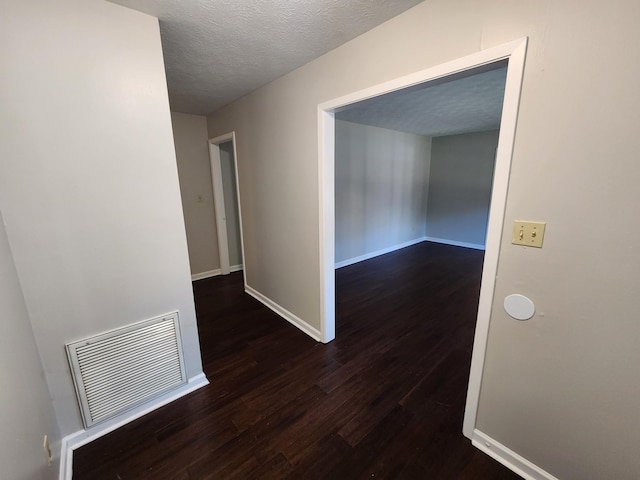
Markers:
point(514, 55)
point(226, 198)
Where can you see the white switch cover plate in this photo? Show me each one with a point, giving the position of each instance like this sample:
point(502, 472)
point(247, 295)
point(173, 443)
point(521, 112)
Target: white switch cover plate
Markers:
point(527, 233)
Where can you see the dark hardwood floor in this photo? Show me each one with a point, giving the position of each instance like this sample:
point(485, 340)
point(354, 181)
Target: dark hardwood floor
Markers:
point(384, 400)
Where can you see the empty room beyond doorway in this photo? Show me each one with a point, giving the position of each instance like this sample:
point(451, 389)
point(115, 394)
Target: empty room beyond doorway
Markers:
point(513, 54)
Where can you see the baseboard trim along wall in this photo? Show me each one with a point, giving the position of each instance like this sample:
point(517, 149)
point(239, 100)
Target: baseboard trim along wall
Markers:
point(377, 253)
point(455, 243)
point(284, 313)
point(82, 437)
point(509, 458)
point(207, 274)
point(393, 248)
point(214, 273)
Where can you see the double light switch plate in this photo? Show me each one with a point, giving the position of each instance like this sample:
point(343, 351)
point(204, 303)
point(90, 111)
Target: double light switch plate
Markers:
point(529, 234)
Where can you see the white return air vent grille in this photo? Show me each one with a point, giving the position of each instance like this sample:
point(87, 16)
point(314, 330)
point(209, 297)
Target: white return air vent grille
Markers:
point(118, 370)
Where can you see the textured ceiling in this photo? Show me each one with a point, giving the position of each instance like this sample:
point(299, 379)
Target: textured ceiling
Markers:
point(217, 51)
point(469, 104)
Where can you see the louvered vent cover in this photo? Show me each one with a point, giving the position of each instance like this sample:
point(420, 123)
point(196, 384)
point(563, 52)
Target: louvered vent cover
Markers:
point(123, 368)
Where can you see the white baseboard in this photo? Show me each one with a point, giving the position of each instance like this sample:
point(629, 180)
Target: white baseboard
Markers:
point(202, 275)
point(284, 313)
point(377, 253)
point(215, 273)
point(509, 458)
point(476, 246)
point(82, 437)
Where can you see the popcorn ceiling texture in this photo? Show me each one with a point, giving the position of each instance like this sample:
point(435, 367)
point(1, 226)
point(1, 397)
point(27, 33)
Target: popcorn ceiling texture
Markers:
point(470, 104)
point(218, 51)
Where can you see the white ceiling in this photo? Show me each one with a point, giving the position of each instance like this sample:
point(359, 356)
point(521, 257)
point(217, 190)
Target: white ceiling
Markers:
point(217, 51)
point(468, 104)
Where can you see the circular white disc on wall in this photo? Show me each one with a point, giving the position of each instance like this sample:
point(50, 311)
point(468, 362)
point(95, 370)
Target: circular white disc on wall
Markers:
point(519, 307)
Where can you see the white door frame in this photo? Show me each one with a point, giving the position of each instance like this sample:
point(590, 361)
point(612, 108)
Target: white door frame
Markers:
point(515, 53)
point(218, 199)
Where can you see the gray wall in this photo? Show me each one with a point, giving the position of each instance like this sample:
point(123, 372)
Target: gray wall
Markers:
point(88, 179)
point(392, 188)
point(194, 171)
point(229, 184)
point(381, 181)
point(562, 389)
point(25, 405)
point(460, 187)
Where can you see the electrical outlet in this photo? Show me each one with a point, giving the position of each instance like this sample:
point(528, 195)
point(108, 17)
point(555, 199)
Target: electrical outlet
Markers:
point(47, 450)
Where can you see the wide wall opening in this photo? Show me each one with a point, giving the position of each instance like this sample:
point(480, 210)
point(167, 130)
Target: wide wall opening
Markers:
point(458, 216)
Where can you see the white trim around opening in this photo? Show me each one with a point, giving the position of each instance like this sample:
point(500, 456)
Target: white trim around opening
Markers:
point(218, 200)
point(515, 53)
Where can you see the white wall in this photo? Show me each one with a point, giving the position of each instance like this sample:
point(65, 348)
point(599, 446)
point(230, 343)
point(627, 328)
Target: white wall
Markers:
point(25, 405)
point(562, 389)
point(460, 181)
point(194, 171)
point(381, 180)
point(88, 179)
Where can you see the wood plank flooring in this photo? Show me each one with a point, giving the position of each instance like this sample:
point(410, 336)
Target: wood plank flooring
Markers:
point(384, 400)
